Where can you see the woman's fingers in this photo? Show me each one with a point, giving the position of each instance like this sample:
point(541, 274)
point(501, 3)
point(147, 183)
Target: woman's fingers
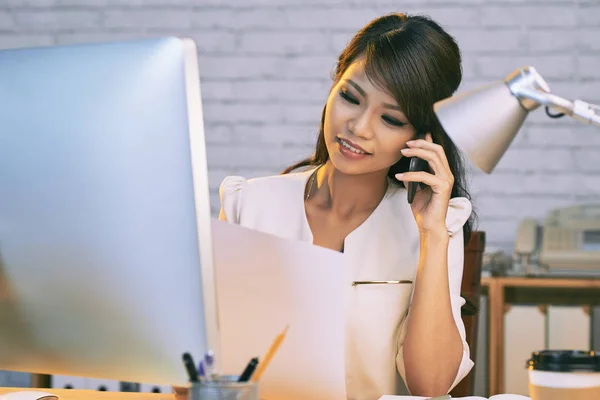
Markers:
point(437, 184)
point(442, 180)
point(427, 144)
point(432, 158)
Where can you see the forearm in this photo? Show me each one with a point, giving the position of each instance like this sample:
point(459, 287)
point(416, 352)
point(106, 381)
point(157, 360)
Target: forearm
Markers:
point(432, 347)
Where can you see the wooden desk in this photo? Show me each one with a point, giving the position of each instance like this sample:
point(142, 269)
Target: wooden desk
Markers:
point(71, 394)
point(503, 291)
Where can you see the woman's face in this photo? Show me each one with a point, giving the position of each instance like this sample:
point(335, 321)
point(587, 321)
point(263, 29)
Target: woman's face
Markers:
point(364, 127)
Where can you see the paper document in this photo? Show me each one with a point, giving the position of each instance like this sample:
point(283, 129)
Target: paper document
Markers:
point(495, 397)
point(264, 283)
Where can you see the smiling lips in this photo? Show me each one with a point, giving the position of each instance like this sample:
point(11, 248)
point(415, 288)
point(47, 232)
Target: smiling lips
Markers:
point(352, 150)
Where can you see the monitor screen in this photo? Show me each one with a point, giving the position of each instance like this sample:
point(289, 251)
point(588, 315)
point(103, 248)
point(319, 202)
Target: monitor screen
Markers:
point(105, 241)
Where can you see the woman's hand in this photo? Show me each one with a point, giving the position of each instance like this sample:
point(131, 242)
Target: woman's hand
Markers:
point(432, 347)
point(430, 205)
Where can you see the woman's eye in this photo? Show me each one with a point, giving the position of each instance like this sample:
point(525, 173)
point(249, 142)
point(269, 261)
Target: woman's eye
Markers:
point(346, 96)
point(392, 121)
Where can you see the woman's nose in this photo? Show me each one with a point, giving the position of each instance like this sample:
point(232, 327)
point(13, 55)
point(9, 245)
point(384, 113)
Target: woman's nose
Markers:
point(361, 125)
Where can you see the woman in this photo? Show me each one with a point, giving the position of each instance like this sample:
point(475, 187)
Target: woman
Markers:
point(352, 198)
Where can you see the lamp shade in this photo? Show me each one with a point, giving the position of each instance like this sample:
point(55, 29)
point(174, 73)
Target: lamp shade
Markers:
point(482, 122)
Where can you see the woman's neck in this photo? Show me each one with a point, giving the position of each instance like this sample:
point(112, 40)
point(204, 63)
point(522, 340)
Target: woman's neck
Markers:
point(347, 194)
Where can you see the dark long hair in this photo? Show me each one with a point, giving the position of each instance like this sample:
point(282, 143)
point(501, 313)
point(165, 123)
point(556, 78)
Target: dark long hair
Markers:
point(418, 63)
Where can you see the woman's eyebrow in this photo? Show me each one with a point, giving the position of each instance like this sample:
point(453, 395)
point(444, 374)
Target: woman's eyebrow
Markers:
point(393, 107)
point(357, 87)
point(364, 94)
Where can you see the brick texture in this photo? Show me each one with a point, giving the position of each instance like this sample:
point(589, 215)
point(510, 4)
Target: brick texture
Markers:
point(266, 69)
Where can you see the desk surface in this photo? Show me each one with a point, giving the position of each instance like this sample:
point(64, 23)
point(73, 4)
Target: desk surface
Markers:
point(547, 282)
point(71, 394)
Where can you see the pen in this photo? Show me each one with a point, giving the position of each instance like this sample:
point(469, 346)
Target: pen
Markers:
point(209, 360)
point(270, 353)
point(249, 370)
point(201, 370)
point(188, 362)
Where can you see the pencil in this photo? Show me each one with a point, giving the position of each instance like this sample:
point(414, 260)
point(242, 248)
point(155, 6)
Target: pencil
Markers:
point(269, 355)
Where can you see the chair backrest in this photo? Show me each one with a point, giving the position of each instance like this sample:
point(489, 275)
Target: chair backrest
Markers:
point(471, 291)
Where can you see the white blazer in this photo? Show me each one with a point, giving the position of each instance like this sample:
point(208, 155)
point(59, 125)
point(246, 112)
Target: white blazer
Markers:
point(384, 247)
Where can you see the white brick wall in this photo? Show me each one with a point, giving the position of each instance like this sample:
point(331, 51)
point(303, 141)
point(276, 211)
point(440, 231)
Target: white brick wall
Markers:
point(266, 66)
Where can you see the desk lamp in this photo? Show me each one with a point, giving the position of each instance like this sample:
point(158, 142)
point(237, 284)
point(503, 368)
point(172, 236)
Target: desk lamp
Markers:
point(484, 121)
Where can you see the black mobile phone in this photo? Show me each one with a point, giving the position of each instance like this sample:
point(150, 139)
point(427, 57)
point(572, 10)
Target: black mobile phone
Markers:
point(416, 164)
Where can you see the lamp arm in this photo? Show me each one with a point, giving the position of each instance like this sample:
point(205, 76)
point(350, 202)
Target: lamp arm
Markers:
point(577, 109)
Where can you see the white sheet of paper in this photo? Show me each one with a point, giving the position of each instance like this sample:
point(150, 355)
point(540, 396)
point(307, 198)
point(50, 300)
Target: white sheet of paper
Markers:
point(265, 283)
point(495, 397)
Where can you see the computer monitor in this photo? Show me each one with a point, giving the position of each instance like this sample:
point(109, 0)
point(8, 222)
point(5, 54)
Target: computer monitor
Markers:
point(105, 235)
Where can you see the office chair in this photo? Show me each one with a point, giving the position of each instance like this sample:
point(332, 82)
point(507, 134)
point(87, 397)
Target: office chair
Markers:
point(471, 292)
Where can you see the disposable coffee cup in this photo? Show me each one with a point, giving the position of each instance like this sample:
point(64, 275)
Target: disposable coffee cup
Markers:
point(564, 374)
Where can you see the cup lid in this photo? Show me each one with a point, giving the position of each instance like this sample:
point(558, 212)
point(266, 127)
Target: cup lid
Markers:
point(564, 361)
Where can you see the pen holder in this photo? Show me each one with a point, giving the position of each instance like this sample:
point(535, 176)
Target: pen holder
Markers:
point(225, 387)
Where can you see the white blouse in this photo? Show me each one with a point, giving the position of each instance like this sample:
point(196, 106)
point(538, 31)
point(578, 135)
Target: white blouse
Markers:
point(384, 247)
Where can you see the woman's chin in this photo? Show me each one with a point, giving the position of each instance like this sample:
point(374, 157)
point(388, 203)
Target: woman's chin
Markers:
point(351, 166)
